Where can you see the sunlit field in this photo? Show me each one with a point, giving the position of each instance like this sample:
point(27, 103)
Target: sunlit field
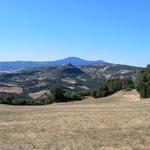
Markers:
point(119, 122)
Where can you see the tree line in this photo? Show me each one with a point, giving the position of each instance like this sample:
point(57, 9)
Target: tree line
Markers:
point(112, 86)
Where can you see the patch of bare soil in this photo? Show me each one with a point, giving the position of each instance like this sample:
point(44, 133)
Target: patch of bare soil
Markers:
point(69, 81)
point(11, 89)
point(39, 94)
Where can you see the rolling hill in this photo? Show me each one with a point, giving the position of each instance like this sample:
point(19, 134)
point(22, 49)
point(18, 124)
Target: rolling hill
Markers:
point(69, 76)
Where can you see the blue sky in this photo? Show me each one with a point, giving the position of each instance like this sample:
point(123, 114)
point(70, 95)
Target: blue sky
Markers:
point(116, 31)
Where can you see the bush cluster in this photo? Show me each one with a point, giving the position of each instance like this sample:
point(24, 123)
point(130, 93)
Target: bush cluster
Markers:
point(57, 94)
point(15, 99)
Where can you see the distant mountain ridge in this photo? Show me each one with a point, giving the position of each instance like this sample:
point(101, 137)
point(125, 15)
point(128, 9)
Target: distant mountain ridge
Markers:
point(18, 65)
point(77, 61)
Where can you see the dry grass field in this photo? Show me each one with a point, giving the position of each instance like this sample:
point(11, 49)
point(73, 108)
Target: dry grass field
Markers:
point(119, 122)
point(39, 94)
point(11, 89)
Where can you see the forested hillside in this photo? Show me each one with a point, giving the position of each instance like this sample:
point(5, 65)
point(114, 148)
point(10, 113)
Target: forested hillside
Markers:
point(73, 82)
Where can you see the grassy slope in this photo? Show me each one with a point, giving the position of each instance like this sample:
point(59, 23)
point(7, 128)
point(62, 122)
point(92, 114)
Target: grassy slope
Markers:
point(121, 121)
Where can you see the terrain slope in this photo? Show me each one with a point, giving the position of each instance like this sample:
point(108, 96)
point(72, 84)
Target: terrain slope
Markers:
point(118, 122)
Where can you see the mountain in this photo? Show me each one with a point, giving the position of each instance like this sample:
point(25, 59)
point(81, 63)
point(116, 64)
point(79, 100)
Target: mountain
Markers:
point(76, 61)
point(19, 65)
point(28, 78)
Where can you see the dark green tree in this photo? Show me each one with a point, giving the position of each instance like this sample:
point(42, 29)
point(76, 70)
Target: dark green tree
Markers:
point(143, 82)
point(57, 94)
point(127, 84)
point(113, 86)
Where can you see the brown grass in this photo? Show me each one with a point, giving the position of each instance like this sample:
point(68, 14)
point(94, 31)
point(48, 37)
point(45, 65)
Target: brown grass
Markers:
point(11, 89)
point(119, 122)
point(39, 94)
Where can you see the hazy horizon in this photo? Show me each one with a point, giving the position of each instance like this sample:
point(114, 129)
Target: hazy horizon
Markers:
point(112, 31)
